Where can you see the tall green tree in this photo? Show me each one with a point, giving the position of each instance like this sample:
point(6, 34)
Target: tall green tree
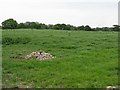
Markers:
point(0, 27)
point(116, 28)
point(50, 26)
point(80, 27)
point(21, 25)
point(9, 24)
point(87, 28)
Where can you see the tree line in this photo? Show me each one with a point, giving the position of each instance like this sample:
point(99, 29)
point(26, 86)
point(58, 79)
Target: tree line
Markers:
point(13, 24)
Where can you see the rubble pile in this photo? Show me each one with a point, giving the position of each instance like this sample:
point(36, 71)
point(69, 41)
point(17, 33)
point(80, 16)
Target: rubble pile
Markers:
point(40, 55)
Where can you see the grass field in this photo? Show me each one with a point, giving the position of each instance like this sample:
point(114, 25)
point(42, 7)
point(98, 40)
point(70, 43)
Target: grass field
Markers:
point(84, 59)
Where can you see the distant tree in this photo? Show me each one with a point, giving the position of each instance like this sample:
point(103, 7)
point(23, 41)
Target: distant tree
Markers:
point(106, 29)
point(57, 26)
point(50, 26)
point(97, 29)
point(9, 24)
point(33, 25)
point(116, 28)
point(74, 28)
point(64, 27)
point(12, 24)
point(21, 25)
point(37, 25)
point(87, 28)
point(27, 24)
point(0, 27)
point(43, 26)
point(80, 28)
point(69, 27)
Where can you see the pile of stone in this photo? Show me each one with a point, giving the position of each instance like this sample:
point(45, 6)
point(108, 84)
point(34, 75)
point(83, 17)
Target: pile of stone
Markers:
point(40, 55)
point(111, 88)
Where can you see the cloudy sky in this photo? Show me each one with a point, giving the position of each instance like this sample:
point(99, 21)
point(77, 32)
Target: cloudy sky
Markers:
point(96, 13)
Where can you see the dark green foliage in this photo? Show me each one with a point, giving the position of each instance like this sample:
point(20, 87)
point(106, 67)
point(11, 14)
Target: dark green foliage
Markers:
point(21, 25)
point(71, 27)
point(42, 26)
point(17, 40)
point(87, 28)
point(64, 27)
point(9, 24)
point(32, 25)
point(80, 28)
point(59, 26)
point(103, 29)
point(106, 29)
point(12, 24)
point(50, 26)
point(116, 28)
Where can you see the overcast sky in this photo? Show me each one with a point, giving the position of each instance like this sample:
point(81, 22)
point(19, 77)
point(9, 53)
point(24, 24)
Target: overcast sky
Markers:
point(96, 13)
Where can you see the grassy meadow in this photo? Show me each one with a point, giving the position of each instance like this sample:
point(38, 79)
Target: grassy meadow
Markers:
point(84, 59)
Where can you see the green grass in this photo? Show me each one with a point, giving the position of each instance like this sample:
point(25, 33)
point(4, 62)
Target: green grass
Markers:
point(84, 59)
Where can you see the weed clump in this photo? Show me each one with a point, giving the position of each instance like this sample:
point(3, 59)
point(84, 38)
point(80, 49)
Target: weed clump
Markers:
point(17, 40)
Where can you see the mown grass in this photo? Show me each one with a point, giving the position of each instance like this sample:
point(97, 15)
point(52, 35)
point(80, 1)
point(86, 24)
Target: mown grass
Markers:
point(84, 59)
